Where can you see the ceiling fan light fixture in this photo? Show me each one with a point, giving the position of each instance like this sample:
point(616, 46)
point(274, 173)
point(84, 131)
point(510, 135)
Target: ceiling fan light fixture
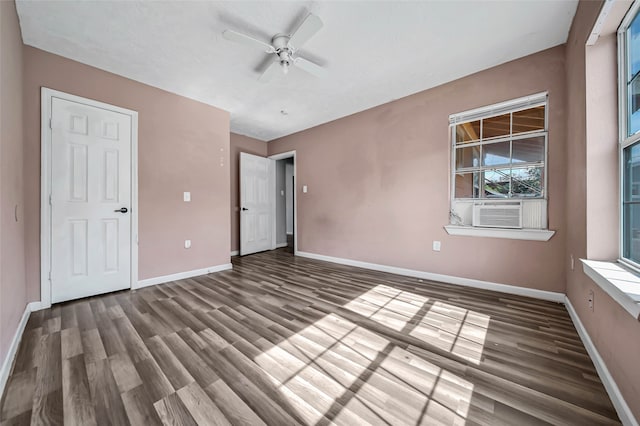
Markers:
point(285, 66)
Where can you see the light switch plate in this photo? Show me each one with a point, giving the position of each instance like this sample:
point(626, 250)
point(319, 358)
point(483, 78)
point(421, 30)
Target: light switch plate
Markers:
point(187, 244)
point(187, 197)
point(436, 246)
point(304, 189)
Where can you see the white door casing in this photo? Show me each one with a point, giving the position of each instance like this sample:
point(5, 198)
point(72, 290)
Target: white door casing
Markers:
point(257, 204)
point(282, 156)
point(89, 169)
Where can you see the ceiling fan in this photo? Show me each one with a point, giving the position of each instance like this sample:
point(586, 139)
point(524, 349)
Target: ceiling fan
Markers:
point(284, 47)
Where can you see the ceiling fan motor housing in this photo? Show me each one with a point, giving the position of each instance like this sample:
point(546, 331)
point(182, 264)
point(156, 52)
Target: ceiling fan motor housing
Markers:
point(283, 50)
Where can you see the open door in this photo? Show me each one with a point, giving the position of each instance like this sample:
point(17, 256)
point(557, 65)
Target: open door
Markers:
point(257, 202)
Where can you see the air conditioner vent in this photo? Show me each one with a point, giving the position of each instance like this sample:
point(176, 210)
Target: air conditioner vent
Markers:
point(496, 214)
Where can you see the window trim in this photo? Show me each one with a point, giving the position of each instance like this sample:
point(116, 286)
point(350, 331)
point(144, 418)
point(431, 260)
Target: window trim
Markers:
point(510, 106)
point(624, 141)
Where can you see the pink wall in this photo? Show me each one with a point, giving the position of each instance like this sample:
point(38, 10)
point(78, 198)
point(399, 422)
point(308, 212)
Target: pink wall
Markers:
point(183, 145)
point(602, 148)
point(240, 143)
point(13, 292)
point(379, 181)
point(592, 217)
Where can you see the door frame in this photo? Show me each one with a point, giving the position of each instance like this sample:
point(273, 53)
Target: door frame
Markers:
point(46, 96)
point(283, 156)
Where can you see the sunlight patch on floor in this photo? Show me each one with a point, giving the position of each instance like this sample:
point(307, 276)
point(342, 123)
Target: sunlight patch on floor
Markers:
point(336, 369)
point(451, 328)
point(454, 329)
point(312, 369)
point(387, 305)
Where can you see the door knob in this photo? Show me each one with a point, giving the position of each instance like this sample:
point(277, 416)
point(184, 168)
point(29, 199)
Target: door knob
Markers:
point(121, 210)
point(244, 209)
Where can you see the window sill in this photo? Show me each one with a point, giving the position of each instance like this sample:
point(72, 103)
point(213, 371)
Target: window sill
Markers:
point(617, 281)
point(513, 234)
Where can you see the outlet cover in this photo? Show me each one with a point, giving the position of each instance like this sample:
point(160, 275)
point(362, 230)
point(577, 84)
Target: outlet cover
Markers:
point(187, 197)
point(436, 246)
point(187, 244)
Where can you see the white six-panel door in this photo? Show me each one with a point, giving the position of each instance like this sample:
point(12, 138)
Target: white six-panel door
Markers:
point(90, 188)
point(257, 201)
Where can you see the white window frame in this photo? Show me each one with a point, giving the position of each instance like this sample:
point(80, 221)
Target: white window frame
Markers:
point(489, 111)
point(624, 140)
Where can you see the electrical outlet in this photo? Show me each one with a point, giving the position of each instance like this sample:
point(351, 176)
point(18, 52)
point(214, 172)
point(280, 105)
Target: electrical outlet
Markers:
point(436, 246)
point(187, 197)
point(590, 300)
point(187, 244)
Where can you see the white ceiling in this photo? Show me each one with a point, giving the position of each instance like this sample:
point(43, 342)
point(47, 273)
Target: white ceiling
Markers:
point(374, 51)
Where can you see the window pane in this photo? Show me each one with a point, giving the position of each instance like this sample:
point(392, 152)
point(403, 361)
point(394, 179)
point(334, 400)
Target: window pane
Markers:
point(631, 243)
point(495, 154)
point(496, 183)
point(634, 106)
point(528, 120)
point(530, 150)
point(467, 185)
point(527, 182)
point(467, 132)
point(631, 203)
point(467, 157)
point(633, 37)
point(496, 126)
point(632, 173)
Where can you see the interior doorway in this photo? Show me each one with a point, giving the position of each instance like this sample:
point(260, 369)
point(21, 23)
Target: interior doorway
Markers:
point(285, 206)
point(284, 203)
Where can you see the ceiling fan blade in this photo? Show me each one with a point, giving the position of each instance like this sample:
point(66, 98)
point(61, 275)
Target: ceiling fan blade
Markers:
point(310, 67)
point(247, 40)
point(272, 70)
point(305, 31)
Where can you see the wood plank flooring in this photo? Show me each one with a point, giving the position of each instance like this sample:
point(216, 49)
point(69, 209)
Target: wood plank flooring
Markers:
point(281, 340)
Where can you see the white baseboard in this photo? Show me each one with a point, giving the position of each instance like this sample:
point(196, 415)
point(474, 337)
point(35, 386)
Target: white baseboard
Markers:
point(280, 245)
point(468, 282)
point(13, 347)
point(37, 306)
point(182, 275)
point(234, 253)
point(623, 410)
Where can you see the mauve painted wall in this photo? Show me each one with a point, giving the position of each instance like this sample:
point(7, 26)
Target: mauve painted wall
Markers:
point(615, 333)
point(379, 181)
point(240, 143)
point(183, 145)
point(13, 292)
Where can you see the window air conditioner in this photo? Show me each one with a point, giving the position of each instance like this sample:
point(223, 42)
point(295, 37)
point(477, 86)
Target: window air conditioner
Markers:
point(497, 214)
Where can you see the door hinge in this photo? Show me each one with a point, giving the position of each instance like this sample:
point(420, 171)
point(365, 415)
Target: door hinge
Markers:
point(49, 275)
point(50, 202)
point(51, 123)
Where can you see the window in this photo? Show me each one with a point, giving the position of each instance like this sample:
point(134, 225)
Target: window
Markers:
point(499, 152)
point(499, 170)
point(629, 83)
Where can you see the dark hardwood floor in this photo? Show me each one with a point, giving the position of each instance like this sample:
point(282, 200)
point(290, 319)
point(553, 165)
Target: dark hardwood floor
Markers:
point(282, 340)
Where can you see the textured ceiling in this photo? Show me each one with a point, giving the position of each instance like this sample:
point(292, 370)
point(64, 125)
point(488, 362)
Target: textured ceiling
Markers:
point(374, 52)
